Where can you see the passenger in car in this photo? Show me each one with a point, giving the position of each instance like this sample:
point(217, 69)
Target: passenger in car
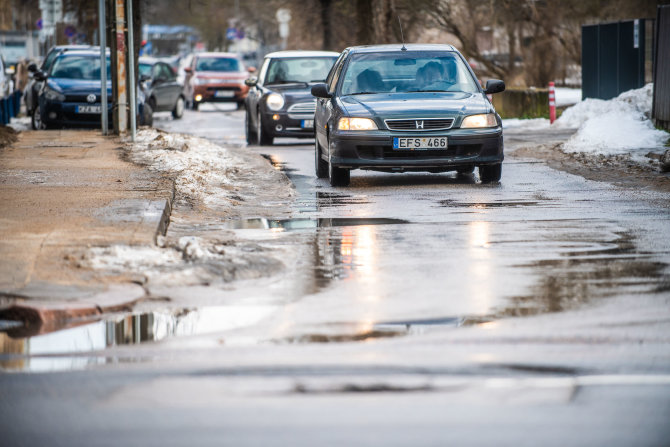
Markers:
point(369, 81)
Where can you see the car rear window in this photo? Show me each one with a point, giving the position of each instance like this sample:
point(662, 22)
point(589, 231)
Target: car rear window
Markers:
point(217, 64)
point(407, 71)
point(71, 66)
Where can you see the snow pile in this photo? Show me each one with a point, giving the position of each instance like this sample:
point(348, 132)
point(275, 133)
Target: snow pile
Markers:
point(525, 124)
point(617, 126)
point(203, 170)
point(122, 258)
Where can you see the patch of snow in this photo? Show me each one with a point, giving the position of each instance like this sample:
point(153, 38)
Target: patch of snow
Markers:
point(614, 127)
point(567, 96)
point(204, 171)
point(121, 258)
point(525, 124)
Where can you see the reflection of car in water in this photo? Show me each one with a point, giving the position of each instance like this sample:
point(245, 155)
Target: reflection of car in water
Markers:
point(215, 77)
point(164, 93)
point(419, 108)
point(279, 103)
point(70, 93)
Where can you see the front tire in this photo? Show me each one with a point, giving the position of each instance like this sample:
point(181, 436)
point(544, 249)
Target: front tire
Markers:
point(249, 129)
point(262, 137)
point(320, 166)
point(490, 173)
point(36, 120)
point(178, 110)
point(338, 176)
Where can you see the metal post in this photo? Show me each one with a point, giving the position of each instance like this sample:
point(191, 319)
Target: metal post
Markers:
point(122, 111)
point(131, 71)
point(103, 66)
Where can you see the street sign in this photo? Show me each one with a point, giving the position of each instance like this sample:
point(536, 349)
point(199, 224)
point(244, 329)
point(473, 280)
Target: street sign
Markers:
point(231, 33)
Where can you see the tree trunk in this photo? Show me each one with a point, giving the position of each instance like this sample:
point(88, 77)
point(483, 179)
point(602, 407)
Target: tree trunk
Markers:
point(325, 24)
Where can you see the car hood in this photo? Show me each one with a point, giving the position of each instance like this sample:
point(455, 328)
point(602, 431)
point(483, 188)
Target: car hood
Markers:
point(425, 104)
point(293, 93)
point(77, 86)
point(231, 75)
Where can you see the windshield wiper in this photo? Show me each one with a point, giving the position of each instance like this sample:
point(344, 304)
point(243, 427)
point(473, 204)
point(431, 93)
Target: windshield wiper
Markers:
point(364, 93)
point(288, 82)
point(427, 91)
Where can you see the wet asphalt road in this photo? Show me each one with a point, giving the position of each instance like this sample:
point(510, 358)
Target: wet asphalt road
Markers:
point(425, 271)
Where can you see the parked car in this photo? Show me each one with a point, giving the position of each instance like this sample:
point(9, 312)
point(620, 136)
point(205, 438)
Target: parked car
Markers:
point(34, 86)
point(159, 82)
point(70, 93)
point(415, 108)
point(279, 103)
point(216, 77)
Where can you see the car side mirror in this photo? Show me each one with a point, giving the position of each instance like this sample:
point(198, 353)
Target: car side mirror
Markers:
point(145, 78)
point(494, 86)
point(320, 90)
point(251, 82)
point(251, 69)
point(32, 67)
point(40, 76)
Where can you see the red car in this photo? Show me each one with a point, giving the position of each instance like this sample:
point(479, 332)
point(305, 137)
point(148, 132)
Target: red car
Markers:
point(216, 77)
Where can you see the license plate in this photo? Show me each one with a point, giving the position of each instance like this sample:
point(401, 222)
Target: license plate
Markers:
point(88, 109)
point(224, 93)
point(419, 143)
point(307, 124)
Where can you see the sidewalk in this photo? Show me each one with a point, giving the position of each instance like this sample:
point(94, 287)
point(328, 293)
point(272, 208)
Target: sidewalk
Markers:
point(60, 193)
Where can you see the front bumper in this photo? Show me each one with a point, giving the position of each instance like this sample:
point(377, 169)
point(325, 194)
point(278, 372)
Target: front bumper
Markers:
point(374, 150)
point(291, 126)
point(65, 114)
point(213, 92)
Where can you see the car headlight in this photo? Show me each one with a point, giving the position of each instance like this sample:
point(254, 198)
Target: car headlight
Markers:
point(356, 124)
point(53, 95)
point(275, 101)
point(483, 120)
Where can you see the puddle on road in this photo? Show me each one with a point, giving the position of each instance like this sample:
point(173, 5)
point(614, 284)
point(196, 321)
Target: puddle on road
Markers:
point(45, 352)
point(485, 205)
point(306, 223)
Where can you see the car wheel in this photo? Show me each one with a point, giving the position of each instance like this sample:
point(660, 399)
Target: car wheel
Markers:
point(320, 166)
point(36, 120)
point(178, 110)
point(338, 176)
point(262, 137)
point(466, 170)
point(490, 173)
point(147, 115)
point(249, 129)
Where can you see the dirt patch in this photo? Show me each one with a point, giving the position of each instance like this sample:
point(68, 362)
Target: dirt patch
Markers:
point(619, 170)
point(7, 136)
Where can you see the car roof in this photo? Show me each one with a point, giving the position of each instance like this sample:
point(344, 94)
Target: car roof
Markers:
point(302, 53)
point(398, 47)
point(81, 53)
point(148, 60)
point(217, 54)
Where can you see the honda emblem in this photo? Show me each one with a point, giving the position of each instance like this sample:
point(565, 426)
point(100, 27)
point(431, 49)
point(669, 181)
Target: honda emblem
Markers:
point(419, 124)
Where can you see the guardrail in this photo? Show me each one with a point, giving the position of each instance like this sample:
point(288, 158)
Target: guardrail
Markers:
point(10, 107)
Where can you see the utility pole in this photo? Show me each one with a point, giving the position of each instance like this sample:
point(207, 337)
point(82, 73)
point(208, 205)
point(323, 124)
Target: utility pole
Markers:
point(103, 66)
point(122, 106)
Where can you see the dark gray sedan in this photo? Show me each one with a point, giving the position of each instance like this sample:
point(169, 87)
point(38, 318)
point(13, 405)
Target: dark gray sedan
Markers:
point(163, 91)
point(400, 108)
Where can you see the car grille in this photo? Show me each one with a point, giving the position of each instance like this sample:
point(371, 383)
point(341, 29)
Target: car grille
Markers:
point(420, 124)
point(84, 99)
point(302, 110)
point(386, 152)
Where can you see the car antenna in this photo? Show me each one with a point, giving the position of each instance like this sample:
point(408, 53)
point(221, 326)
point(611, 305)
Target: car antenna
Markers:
point(402, 36)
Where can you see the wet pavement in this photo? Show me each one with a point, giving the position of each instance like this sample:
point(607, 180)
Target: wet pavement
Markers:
point(405, 283)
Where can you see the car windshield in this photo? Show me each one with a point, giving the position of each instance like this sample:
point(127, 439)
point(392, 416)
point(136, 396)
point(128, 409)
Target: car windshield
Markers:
point(217, 64)
point(405, 71)
point(71, 66)
point(299, 69)
point(145, 69)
